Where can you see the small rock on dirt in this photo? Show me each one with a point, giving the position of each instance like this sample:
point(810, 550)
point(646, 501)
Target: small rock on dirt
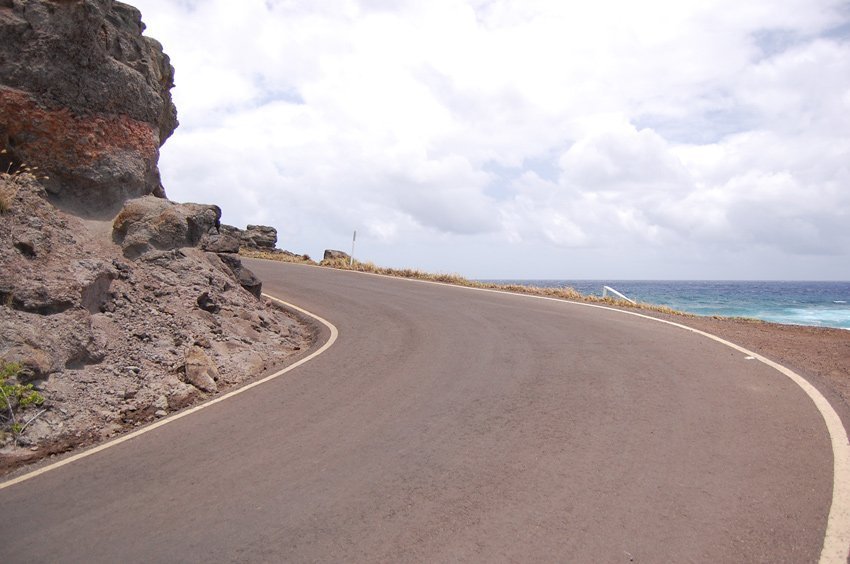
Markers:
point(200, 370)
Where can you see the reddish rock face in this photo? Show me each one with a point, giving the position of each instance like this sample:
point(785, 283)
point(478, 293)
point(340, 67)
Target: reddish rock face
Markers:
point(85, 97)
point(101, 159)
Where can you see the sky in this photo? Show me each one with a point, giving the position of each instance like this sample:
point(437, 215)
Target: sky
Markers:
point(522, 139)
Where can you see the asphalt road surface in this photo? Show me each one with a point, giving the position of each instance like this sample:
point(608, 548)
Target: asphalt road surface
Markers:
point(449, 425)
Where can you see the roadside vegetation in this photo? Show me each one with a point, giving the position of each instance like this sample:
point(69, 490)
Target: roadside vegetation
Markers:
point(458, 280)
point(281, 256)
point(7, 195)
point(10, 172)
point(15, 402)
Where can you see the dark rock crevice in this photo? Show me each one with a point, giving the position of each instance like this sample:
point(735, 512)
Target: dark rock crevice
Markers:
point(243, 275)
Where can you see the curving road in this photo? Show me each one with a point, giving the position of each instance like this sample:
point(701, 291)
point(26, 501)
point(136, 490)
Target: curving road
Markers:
point(451, 425)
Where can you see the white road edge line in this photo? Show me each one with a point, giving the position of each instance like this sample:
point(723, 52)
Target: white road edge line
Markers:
point(180, 415)
point(836, 543)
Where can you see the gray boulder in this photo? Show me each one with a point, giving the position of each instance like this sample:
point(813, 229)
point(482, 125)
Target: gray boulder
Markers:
point(331, 254)
point(231, 231)
point(150, 223)
point(261, 237)
point(254, 237)
point(200, 370)
point(220, 243)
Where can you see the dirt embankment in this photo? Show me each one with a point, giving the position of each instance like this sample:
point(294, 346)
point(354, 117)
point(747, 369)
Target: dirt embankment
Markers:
point(114, 338)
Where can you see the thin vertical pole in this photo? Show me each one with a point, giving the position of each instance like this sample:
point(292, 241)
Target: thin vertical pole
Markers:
point(351, 258)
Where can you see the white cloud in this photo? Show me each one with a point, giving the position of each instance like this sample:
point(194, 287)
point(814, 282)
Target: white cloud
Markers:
point(621, 158)
point(666, 130)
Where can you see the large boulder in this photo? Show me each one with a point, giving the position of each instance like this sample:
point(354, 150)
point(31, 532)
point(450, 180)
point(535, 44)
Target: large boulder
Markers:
point(261, 237)
point(221, 243)
point(151, 223)
point(253, 237)
point(84, 96)
point(333, 255)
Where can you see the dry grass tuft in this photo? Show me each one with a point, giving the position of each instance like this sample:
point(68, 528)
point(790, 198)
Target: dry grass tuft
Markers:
point(6, 197)
point(11, 173)
point(14, 169)
point(284, 256)
point(8, 191)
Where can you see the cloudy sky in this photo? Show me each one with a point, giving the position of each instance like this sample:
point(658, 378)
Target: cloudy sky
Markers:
point(613, 139)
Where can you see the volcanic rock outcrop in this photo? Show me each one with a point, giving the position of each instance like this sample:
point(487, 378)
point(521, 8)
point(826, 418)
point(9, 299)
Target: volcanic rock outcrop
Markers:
point(253, 237)
point(84, 96)
point(153, 223)
point(116, 304)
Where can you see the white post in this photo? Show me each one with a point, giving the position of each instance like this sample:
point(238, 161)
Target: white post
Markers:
point(353, 240)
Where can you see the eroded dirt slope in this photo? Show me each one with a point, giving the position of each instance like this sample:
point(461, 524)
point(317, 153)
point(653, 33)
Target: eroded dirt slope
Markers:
point(112, 342)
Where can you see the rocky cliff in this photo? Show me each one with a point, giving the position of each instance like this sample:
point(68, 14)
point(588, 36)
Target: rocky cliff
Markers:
point(117, 305)
point(85, 97)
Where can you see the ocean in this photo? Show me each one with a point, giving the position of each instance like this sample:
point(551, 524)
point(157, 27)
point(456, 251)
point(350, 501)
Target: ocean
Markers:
point(823, 304)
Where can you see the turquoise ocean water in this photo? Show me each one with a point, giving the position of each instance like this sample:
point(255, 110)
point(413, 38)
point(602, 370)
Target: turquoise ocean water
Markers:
point(824, 304)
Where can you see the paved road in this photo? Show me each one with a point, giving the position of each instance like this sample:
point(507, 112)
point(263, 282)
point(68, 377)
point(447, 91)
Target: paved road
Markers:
point(451, 425)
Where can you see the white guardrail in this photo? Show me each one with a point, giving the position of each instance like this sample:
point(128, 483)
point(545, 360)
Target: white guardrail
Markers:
point(607, 289)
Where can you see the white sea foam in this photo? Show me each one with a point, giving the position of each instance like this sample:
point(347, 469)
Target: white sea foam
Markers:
point(831, 317)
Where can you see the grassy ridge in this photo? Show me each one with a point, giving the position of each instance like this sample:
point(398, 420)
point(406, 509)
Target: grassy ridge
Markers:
point(458, 280)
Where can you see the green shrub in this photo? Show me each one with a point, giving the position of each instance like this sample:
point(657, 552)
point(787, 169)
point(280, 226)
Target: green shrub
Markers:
point(15, 398)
